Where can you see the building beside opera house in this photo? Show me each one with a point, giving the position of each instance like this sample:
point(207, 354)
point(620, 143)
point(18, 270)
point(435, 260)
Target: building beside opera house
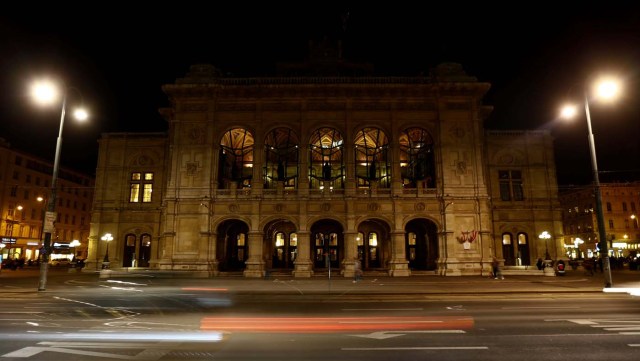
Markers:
point(324, 163)
point(620, 202)
point(25, 185)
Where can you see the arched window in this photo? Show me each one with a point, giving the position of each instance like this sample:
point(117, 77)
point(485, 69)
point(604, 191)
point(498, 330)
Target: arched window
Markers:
point(506, 239)
point(417, 160)
point(235, 163)
point(281, 158)
point(371, 148)
point(326, 167)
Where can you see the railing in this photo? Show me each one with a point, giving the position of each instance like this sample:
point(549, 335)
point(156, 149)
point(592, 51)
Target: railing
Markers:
point(379, 193)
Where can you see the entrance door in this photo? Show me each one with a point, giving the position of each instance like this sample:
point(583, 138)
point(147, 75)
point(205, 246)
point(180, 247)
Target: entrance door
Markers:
point(144, 252)
point(233, 245)
point(326, 251)
point(327, 244)
point(285, 249)
point(508, 251)
point(421, 244)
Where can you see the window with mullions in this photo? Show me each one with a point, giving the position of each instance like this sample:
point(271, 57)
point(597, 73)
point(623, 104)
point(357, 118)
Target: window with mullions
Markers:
point(511, 185)
point(235, 162)
point(281, 158)
point(326, 167)
point(371, 155)
point(141, 187)
point(417, 161)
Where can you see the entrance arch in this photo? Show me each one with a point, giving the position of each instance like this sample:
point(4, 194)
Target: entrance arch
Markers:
point(281, 244)
point(421, 244)
point(373, 242)
point(327, 244)
point(232, 246)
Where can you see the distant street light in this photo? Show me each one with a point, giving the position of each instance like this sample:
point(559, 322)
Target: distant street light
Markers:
point(545, 236)
point(606, 89)
point(75, 243)
point(9, 229)
point(107, 238)
point(46, 92)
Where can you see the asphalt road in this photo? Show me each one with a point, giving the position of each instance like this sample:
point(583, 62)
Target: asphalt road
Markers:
point(85, 317)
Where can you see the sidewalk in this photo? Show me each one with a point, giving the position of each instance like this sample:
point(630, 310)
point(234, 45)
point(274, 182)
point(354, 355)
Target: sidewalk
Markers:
point(573, 282)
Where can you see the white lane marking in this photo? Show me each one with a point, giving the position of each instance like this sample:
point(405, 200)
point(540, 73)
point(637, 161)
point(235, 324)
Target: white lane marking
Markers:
point(146, 354)
point(381, 335)
point(414, 348)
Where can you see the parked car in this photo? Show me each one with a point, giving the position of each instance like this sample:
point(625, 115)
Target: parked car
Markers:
point(60, 262)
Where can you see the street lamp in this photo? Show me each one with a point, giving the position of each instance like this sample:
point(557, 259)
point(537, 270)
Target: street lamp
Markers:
point(107, 238)
point(75, 243)
point(46, 92)
point(605, 89)
point(9, 229)
point(545, 236)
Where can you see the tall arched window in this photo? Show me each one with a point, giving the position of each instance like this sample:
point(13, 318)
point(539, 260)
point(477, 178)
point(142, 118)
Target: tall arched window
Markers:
point(236, 158)
point(371, 156)
point(326, 167)
point(281, 158)
point(417, 160)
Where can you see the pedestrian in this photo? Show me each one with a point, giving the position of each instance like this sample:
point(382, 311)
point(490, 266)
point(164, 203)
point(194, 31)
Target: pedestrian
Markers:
point(357, 271)
point(540, 264)
point(495, 266)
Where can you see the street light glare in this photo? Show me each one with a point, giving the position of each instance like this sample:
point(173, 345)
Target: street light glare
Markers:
point(568, 111)
point(44, 92)
point(607, 89)
point(81, 114)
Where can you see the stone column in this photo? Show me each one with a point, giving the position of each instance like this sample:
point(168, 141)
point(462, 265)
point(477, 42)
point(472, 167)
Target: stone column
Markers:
point(399, 266)
point(303, 263)
point(350, 253)
point(212, 259)
point(254, 266)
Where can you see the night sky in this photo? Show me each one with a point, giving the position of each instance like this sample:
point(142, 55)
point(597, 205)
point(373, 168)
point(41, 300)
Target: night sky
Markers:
point(533, 54)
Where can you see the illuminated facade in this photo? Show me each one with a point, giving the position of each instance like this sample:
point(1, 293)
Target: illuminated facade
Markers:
point(620, 202)
point(305, 173)
point(25, 182)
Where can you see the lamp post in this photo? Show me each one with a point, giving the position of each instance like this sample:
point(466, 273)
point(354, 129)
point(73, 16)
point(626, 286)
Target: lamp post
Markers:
point(46, 92)
point(576, 243)
point(10, 223)
point(107, 238)
point(75, 243)
point(606, 89)
point(545, 236)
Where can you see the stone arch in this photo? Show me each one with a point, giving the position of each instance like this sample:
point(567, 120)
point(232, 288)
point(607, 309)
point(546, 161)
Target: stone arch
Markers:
point(421, 243)
point(373, 243)
point(232, 244)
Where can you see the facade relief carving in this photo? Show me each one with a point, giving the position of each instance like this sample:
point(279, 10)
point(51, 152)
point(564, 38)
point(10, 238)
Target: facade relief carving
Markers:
point(192, 168)
point(196, 134)
point(141, 159)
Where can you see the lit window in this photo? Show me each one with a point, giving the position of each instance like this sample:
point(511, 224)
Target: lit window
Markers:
point(141, 187)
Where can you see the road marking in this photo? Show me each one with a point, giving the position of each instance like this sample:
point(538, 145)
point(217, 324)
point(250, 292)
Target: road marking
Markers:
point(414, 348)
point(381, 335)
point(146, 354)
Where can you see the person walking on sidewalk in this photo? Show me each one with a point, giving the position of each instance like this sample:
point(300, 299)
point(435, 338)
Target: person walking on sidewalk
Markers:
point(495, 266)
point(357, 271)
